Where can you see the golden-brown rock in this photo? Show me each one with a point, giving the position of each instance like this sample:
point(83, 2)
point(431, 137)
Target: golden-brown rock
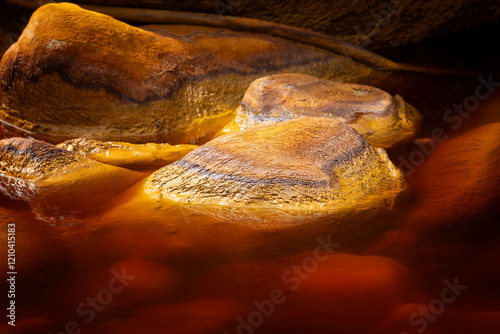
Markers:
point(301, 164)
point(384, 120)
point(377, 24)
point(57, 182)
point(76, 73)
point(149, 156)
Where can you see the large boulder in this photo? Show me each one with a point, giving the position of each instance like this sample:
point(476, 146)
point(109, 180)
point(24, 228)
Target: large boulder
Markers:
point(385, 121)
point(372, 24)
point(78, 73)
point(301, 164)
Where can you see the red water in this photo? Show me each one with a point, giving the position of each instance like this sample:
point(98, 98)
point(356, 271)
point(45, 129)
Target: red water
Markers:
point(429, 265)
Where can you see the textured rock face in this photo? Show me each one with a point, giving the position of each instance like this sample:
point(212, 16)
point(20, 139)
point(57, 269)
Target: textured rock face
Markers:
point(132, 156)
point(35, 160)
point(12, 22)
point(384, 120)
point(77, 73)
point(55, 181)
point(371, 24)
point(374, 24)
point(308, 163)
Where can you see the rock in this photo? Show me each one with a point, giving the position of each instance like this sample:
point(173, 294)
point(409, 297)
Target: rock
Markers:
point(385, 121)
point(111, 81)
point(372, 24)
point(301, 164)
point(57, 183)
point(149, 156)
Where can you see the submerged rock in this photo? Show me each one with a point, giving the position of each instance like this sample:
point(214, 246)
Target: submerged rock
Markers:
point(384, 120)
point(77, 73)
point(149, 156)
point(301, 164)
point(58, 183)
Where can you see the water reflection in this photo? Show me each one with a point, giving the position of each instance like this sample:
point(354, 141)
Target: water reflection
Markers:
point(196, 273)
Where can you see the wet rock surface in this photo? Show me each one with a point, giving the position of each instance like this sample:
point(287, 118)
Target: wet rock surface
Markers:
point(379, 271)
point(385, 121)
point(57, 183)
point(132, 156)
point(308, 163)
point(104, 75)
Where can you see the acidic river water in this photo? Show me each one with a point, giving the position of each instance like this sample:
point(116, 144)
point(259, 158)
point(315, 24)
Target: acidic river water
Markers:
point(430, 265)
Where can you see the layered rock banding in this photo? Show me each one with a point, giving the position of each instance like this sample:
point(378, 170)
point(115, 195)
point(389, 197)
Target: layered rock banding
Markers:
point(76, 73)
point(384, 120)
point(308, 163)
point(398, 22)
point(56, 181)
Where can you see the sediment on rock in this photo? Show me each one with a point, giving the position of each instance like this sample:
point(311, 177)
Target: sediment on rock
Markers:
point(384, 120)
point(308, 163)
point(77, 73)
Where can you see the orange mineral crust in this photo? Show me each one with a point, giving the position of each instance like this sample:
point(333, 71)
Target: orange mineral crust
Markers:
point(384, 120)
point(77, 73)
point(142, 157)
point(55, 181)
point(308, 163)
